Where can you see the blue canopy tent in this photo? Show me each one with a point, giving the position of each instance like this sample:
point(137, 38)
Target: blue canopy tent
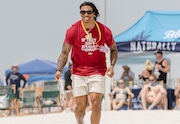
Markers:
point(38, 69)
point(155, 30)
point(1, 83)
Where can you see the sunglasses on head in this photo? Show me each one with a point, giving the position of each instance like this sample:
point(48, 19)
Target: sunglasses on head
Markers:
point(88, 12)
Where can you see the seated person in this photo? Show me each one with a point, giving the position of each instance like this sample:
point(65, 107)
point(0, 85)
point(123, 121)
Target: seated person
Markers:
point(153, 94)
point(120, 93)
point(177, 94)
point(127, 76)
point(148, 67)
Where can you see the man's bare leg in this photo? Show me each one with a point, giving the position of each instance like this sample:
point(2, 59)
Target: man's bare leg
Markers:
point(165, 102)
point(96, 107)
point(17, 107)
point(12, 106)
point(156, 101)
point(71, 103)
point(143, 100)
point(81, 104)
point(66, 102)
point(178, 104)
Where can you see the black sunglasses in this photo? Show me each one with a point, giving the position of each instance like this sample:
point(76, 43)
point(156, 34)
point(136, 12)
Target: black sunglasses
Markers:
point(88, 12)
point(151, 80)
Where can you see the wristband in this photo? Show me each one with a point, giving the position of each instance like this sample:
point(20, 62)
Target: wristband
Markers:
point(58, 70)
point(112, 65)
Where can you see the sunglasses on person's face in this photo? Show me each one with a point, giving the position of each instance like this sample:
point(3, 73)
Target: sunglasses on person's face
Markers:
point(121, 83)
point(88, 12)
point(151, 79)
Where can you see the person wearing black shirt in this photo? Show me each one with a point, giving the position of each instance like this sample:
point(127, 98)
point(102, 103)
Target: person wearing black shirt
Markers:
point(68, 81)
point(14, 79)
point(162, 66)
point(68, 89)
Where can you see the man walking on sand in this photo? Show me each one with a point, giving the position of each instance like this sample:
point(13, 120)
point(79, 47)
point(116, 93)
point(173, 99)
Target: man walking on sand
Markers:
point(87, 39)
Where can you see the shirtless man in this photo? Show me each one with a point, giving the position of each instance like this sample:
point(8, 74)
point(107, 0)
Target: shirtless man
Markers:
point(153, 94)
point(177, 94)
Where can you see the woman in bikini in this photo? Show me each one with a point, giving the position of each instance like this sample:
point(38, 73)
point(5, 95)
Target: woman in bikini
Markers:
point(148, 68)
point(120, 93)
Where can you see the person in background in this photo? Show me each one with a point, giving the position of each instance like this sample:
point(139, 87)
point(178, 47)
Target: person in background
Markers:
point(120, 93)
point(161, 68)
point(68, 89)
point(147, 71)
point(88, 40)
point(153, 94)
point(14, 79)
point(177, 95)
point(127, 76)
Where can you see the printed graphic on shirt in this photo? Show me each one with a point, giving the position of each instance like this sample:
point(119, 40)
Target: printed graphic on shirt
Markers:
point(90, 45)
point(13, 77)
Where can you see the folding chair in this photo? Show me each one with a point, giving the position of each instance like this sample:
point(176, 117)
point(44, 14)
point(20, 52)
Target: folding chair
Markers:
point(29, 100)
point(51, 95)
point(6, 96)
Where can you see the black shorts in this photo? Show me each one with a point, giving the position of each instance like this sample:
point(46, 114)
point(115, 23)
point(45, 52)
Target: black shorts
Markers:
point(16, 94)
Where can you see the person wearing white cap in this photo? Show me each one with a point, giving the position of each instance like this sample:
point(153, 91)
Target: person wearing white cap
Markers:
point(14, 78)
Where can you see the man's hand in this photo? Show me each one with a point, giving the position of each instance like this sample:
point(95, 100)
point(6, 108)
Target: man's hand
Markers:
point(57, 75)
point(110, 71)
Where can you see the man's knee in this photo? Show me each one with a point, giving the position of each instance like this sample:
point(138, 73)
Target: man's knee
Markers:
point(81, 106)
point(96, 105)
point(81, 103)
point(96, 101)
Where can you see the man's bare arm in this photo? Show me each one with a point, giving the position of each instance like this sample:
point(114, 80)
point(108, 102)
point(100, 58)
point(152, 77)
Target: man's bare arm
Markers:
point(177, 90)
point(162, 90)
point(166, 65)
point(113, 54)
point(63, 56)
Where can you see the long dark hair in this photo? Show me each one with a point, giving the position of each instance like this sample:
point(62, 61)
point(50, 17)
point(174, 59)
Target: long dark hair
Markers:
point(93, 7)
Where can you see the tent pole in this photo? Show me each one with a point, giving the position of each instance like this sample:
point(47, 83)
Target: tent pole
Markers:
point(106, 103)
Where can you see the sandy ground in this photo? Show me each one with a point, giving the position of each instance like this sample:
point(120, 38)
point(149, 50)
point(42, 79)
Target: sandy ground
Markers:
point(108, 117)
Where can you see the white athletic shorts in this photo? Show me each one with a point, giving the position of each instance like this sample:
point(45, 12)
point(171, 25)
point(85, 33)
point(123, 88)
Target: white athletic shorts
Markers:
point(83, 85)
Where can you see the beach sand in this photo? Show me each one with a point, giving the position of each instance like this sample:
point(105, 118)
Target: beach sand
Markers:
point(108, 117)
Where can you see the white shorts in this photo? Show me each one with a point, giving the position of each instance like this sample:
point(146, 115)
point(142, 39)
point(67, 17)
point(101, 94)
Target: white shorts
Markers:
point(83, 85)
